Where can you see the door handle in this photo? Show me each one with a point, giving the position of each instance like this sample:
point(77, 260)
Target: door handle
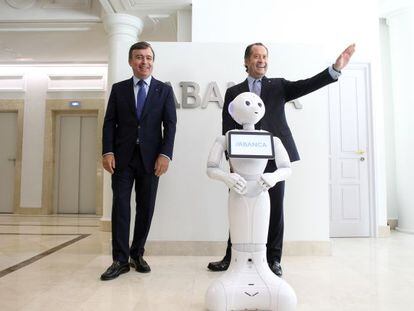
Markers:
point(12, 159)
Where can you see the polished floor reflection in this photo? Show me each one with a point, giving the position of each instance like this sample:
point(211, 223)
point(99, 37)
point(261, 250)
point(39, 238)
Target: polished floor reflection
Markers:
point(54, 263)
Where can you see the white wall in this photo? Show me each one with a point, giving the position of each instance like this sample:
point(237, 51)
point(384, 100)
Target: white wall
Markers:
point(397, 42)
point(33, 137)
point(192, 207)
point(401, 33)
point(389, 123)
point(184, 26)
point(332, 24)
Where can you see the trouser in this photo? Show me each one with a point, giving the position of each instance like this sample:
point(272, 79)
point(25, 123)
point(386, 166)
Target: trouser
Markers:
point(146, 185)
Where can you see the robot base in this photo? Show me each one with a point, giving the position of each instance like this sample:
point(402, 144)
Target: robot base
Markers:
point(249, 284)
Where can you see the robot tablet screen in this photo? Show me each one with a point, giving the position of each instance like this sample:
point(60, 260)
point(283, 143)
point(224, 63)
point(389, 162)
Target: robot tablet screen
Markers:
point(250, 145)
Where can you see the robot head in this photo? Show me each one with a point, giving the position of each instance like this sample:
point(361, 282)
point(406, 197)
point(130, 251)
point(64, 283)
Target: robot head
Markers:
point(247, 108)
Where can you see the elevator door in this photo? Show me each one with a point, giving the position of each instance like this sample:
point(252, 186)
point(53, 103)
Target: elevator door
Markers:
point(75, 173)
point(8, 143)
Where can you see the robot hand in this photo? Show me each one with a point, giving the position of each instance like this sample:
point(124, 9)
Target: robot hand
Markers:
point(236, 182)
point(267, 181)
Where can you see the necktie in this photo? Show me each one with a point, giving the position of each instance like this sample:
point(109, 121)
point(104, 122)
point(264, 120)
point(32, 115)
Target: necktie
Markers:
point(140, 98)
point(256, 87)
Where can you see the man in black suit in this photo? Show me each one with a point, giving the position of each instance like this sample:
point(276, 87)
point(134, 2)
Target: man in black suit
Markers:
point(275, 92)
point(138, 139)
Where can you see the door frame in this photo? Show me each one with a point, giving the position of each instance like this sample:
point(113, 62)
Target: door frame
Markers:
point(55, 108)
point(366, 68)
point(16, 106)
point(58, 115)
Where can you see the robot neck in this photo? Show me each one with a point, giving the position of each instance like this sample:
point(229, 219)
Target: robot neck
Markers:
point(248, 126)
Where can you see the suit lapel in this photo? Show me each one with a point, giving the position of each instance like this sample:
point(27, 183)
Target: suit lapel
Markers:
point(154, 89)
point(265, 88)
point(244, 87)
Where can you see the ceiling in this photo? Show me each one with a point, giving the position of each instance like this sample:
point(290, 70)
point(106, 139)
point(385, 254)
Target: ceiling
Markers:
point(49, 31)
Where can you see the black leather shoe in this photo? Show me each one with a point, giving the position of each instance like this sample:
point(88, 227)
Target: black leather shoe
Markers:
point(276, 268)
point(115, 270)
point(221, 265)
point(140, 265)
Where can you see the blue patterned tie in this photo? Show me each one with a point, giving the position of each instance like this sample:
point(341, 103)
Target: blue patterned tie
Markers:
point(140, 98)
point(256, 87)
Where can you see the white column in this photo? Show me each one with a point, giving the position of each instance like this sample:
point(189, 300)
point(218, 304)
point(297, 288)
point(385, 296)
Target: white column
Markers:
point(401, 32)
point(123, 31)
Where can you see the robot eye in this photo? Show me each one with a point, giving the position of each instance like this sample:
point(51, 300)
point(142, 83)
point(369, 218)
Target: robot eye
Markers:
point(247, 103)
point(260, 105)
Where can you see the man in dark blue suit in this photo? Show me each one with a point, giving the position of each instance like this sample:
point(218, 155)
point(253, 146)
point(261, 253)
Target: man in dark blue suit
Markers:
point(275, 92)
point(138, 139)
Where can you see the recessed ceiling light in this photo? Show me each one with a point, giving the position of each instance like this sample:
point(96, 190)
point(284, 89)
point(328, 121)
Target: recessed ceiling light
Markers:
point(24, 59)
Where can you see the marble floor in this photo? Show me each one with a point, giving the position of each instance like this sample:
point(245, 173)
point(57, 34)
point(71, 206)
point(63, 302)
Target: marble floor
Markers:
point(54, 263)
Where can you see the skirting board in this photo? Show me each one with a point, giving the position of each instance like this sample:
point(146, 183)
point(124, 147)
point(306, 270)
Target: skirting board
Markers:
point(410, 231)
point(204, 248)
point(105, 224)
point(384, 231)
point(393, 223)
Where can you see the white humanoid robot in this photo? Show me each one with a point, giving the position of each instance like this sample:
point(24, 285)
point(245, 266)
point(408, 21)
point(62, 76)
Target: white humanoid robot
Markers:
point(249, 284)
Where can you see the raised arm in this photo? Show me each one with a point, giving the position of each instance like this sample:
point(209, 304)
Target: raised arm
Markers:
point(232, 180)
point(296, 89)
point(268, 180)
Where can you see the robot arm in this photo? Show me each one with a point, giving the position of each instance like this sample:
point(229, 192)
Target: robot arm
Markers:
point(268, 180)
point(232, 180)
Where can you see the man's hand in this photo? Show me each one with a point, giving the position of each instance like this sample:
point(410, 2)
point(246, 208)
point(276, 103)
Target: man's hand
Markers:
point(344, 58)
point(108, 162)
point(161, 165)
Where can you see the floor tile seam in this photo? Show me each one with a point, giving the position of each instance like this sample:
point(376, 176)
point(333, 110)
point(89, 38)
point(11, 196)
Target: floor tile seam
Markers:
point(47, 225)
point(58, 216)
point(29, 233)
point(42, 255)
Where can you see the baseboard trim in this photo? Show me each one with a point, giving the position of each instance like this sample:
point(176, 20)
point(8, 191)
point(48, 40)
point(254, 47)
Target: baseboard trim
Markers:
point(205, 248)
point(384, 231)
point(393, 223)
point(105, 225)
point(30, 211)
point(217, 248)
point(307, 248)
point(410, 231)
point(185, 248)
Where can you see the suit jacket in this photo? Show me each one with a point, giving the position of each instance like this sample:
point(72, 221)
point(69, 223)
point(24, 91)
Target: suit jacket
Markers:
point(155, 130)
point(275, 93)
